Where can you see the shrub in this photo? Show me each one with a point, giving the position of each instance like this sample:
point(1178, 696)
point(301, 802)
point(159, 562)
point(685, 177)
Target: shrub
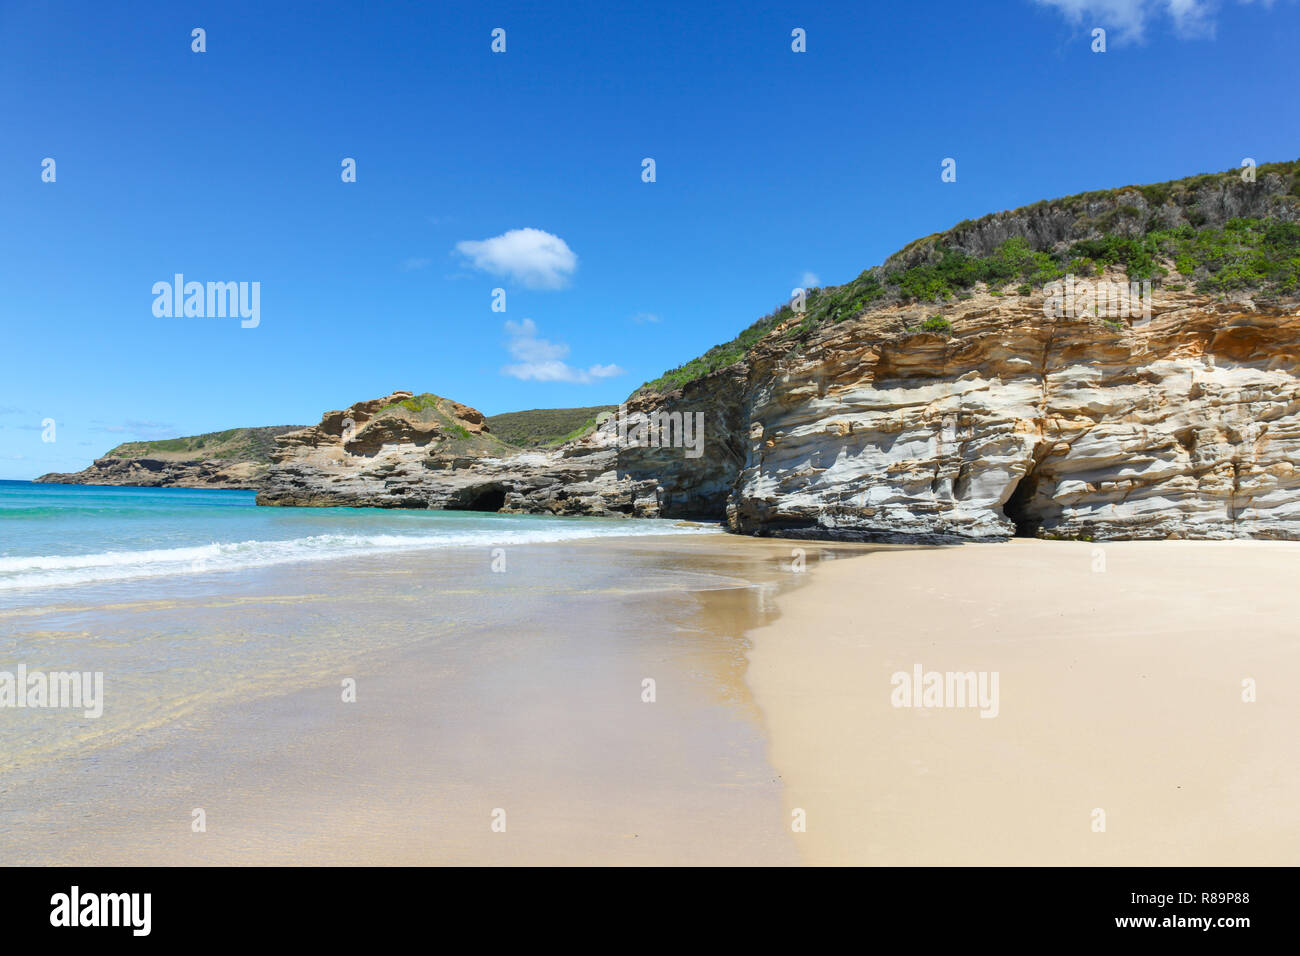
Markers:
point(1256, 254)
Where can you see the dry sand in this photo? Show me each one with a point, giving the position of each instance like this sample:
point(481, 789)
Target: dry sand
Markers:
point(1120, 690)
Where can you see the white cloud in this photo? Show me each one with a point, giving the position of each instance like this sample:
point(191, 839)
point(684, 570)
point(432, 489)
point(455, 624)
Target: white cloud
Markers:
point(809, 280)
point(539, 360)
point(1129, 18)
point(645, 318)
point(532, 257)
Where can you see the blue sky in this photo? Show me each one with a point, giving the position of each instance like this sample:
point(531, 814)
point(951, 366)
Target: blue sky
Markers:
point(770, 165)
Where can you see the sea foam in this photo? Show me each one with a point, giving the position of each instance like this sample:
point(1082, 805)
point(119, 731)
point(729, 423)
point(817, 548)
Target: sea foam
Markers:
point(52, 571)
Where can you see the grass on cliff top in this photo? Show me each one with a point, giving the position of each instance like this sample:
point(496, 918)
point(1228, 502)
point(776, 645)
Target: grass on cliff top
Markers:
point(533, 428)
point(542, 427)
point(1262, 254)
point(416, 403)
point(233, 444)
point(427, 408)
point(1243, 254)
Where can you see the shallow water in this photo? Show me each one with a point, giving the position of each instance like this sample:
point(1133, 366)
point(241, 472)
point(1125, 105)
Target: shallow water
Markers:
point(58, 536)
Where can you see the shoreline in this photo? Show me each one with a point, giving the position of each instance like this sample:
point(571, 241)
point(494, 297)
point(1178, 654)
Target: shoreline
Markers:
point(532, 705)
point(816, 534)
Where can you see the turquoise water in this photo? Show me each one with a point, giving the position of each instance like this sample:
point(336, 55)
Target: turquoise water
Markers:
point(55, 538)
point(196, 607)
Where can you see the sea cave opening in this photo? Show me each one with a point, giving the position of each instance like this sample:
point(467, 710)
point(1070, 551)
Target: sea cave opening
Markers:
point(1018, 508)
point(492, 498)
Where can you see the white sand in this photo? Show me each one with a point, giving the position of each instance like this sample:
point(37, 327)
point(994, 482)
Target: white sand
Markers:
point(1119, 690)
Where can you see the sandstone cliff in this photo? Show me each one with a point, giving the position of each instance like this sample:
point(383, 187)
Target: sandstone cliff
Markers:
point(156, 473)
point(1183, 425)
point(941, 396)
point(407, 451)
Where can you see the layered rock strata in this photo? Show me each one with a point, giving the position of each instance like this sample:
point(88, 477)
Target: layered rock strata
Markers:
point(392, 457)
point(213, 473)
point(1183, 424)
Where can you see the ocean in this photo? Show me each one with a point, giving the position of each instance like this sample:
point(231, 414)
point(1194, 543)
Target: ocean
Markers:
point(57, 537)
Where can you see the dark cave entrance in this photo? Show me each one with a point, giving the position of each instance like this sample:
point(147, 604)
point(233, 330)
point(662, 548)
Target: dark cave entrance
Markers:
point(491, 498)
point(1019, 508)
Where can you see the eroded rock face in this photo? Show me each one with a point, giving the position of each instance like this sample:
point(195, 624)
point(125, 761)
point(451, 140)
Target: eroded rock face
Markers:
point(158, 473)
point(405, 459)
point(234, 459)
point(1183, 425)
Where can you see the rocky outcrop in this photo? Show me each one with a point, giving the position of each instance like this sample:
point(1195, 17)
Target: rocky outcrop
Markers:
point(861, 416)
point(1184, 424)
point(401, 452)
point(159, 473)
point(233, 459)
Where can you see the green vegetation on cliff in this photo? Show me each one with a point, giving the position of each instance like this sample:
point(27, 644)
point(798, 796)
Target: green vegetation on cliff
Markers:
point(423, 402)
point(1217, 232)
point(428, 409)
point(539, 427)
point(1256, 254)
point(233, 444)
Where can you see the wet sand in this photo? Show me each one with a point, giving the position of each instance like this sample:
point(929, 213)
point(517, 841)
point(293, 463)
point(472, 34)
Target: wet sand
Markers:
point(1120, 690)
point(476, 692)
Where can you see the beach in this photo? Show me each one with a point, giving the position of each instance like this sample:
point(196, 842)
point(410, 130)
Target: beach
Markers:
point(607, 693)
point(1121, 669)
point(482, 697)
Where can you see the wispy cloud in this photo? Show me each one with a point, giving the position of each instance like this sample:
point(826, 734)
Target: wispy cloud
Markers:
point(645, 318)
point(416, 262)
point(1130, 18)
point(532, 257)
point(539, 360)
point(809, 280)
